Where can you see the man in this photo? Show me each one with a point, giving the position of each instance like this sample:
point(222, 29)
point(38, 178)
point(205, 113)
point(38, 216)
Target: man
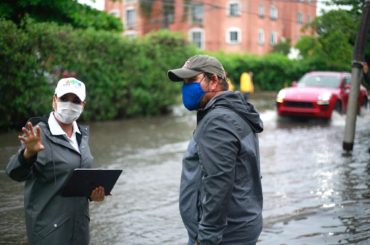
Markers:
point(220, 192)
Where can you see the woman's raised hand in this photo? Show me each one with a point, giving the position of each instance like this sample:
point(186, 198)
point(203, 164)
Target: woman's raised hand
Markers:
point(31, 138)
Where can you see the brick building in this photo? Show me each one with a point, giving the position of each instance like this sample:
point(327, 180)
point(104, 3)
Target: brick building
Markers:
point(251, 26)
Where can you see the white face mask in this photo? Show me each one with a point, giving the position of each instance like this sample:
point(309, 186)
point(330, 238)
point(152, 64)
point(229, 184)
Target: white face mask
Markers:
point(67, 112)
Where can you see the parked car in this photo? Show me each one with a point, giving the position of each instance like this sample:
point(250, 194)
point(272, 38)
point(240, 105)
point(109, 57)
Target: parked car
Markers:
point(317, 95)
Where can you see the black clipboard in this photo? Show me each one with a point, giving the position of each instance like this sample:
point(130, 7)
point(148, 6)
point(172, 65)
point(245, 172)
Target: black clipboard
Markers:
point(83, 180)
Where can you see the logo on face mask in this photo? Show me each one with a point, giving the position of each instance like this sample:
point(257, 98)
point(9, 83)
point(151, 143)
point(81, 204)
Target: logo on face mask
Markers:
point(67, 112)
point(192, 94)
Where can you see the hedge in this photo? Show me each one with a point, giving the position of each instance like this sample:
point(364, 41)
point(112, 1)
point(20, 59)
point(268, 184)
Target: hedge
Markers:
point(124, 77)
point(271, 72)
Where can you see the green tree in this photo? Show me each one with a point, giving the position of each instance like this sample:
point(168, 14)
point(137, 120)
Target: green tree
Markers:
point(333, 45)
point(349, 22)
point(308, 46)
point(283, 47)
point(61, 12)
point(356, 5)
point(337, 20)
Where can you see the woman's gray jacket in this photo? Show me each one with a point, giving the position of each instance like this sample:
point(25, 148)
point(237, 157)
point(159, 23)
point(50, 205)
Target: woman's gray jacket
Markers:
point(220, 192)
point(50, 217)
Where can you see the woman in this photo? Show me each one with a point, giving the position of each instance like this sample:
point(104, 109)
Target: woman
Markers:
point(49, 153)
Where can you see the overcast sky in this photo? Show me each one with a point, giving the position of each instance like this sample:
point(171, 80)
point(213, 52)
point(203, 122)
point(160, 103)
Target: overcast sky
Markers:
point(321, 6)
point(98, 4)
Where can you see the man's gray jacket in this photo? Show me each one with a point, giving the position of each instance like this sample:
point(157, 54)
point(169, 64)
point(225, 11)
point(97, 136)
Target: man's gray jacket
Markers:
point(50, 217)
point(221, 193)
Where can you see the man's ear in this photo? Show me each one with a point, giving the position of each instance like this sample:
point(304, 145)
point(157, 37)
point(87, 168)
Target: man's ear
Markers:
point(215, 82)
point(214, 79)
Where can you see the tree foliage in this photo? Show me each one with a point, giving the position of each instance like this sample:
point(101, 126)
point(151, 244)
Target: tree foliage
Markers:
point(333, 45)
point(283, 47)
point(356, 6)
point(61, 12)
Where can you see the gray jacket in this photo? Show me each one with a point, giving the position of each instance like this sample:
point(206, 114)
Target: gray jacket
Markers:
point(221, 193)
point(50, 217)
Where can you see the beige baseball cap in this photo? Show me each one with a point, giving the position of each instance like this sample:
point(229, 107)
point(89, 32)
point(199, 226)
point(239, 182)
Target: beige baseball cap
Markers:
point(71, 85)
point(196, 65)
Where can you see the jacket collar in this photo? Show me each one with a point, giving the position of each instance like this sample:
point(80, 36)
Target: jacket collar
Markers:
point(208, 107)
point(61, 139)
point(56, 129)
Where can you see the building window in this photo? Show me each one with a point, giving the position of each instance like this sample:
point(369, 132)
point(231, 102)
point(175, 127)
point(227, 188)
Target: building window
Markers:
point(299, 18)
point(234, 9)
point(168, 15)
point(130, 18)
point(114, 12)
point(273, 38)
point(233, 36)
point(197, 13)
point(196, 36)
point(308, 18)
point(261, 37)
point(261, 11)
point(273, 12)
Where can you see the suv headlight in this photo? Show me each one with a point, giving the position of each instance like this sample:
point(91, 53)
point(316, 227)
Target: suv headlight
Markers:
point(280, 97)
point(323, 99)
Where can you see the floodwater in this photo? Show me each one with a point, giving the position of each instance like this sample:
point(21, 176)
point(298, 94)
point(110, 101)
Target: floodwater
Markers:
point(313, 193)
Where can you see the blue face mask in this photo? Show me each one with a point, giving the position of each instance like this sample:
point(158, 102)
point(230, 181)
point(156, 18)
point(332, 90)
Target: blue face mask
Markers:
point(192, 93)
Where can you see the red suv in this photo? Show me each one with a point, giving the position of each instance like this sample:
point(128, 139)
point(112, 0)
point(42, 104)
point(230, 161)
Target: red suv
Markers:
point(317, 94)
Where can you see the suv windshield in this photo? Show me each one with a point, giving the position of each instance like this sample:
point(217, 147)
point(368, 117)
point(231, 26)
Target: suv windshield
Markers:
point(324, 81)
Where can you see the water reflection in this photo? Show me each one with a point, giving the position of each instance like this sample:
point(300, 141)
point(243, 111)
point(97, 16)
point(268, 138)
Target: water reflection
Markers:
point(313, 195)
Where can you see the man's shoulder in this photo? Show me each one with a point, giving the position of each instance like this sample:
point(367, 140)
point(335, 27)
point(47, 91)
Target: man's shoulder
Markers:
point(220, 117)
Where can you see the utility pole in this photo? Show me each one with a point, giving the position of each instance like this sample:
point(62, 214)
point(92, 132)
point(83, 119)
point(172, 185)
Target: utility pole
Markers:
point(358, 59)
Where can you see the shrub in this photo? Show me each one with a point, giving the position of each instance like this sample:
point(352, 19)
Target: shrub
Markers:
point(270, 72)
point(124, 77)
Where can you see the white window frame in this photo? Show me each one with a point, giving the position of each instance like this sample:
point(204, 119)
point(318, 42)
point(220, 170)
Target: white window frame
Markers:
point(115, 12)
point(261, 37)
point(202, 37)
point(239, 35)
point(261, 11)
point(233, 2)
point(299, 17)
point(274, 12)
point(127, 24)
point(273, 38)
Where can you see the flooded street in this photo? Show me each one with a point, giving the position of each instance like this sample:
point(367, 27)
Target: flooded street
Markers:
point(313, 194)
